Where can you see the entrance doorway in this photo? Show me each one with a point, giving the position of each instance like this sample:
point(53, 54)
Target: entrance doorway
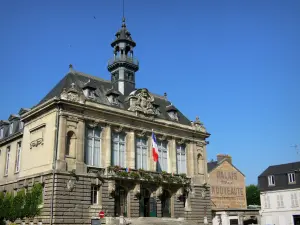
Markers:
point(144, 203)
point(166, 204)
point(120, 201)
point(296, 219)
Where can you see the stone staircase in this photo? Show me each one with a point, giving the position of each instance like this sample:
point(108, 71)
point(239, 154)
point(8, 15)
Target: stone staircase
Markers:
point(151, 221)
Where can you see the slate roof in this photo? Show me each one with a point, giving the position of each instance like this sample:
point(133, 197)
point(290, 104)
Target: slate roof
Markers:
point(102, 88)
point(281, 169)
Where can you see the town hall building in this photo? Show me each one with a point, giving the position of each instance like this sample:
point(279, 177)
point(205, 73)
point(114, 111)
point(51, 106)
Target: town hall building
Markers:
point(89, 143)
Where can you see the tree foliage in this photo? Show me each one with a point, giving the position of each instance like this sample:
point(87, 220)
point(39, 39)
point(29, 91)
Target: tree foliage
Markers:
point(253, 195)
point(21, 205)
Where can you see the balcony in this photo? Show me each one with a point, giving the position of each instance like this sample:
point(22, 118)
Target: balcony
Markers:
point(124, 59)
point(119, 173)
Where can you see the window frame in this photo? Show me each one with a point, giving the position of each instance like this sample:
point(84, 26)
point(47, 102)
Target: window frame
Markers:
point(94, 194)
point(161, 151)
point(291, 178)
point(21, 126)
point(6, 168)
point(271, 180)
point(18, 157)
point(94, 139)
point(119, 142)
point(139, 146)
point(179, 148)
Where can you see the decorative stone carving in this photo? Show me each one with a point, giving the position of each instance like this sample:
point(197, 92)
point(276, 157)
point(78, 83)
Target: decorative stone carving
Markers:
point(36, 143)
point(141, 134)
point(198, 125)
point(182, 141)
point(111, 188)
point(142, 102)
point(162, 137)
point(71, 184)
point(72, 95)
point(93, 124)
point(118, 129)
point(137, 190)
point(179, 192)
point(159, 191)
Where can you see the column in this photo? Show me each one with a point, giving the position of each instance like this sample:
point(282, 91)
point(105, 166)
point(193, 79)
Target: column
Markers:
point(80, 148)
point(106, 147)
point(130, 149)
point(190, 158)
point(60, 159)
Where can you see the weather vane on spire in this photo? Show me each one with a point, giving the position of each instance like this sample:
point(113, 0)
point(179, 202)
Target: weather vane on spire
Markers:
point(123, 11)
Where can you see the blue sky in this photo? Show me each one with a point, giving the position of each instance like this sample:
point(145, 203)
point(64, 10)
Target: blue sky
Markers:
point(236, 64)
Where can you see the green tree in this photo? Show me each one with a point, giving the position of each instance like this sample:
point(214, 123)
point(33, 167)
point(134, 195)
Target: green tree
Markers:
point(1, 208)
point(33, 200)
point(17, 206)
point(253, 195)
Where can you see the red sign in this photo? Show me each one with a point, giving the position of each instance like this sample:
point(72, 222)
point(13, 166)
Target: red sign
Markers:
point(101, 214)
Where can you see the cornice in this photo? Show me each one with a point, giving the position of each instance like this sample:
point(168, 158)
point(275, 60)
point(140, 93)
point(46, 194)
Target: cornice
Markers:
point(11, 138)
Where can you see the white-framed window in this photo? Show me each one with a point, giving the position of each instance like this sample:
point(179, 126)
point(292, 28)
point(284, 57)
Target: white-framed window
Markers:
point(271, 180)
point(181, 158)
point(118, 149)
point(266, 202)
point(294, 200)
point(94, 194)
point(162, 164)
point(11, 127)
point(21, 125)
point(93, 146)
point(292, 178)
point(7, 161)
point(1, 132)
point(280, 201)
point(141, 153)
point(18, 157)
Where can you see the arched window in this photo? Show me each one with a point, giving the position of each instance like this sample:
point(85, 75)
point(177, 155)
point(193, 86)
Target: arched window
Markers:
point(71, 144)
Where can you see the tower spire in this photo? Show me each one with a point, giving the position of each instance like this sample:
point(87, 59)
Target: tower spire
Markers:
point(123, 18)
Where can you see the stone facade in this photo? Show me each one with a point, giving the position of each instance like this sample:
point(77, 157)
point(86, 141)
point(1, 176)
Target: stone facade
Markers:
point(67, 145)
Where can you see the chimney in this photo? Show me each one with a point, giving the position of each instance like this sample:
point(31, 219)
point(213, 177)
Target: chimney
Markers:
point(220, 157)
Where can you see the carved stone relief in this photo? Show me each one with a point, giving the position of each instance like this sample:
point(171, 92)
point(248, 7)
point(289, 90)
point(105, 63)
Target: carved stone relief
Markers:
point(159, 191)
point(141, 133)
point(36, 143)
point(198, 125)
point(142, 103)
point(137, 190)
point(111, 188)
point(118, 129)
point(179, 192)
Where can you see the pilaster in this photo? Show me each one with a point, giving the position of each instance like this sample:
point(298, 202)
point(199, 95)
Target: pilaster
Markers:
point(190, 159)
point(106, 146)
point(60, 163)
point(130, 149)
point(80, 166)
point(172, 156)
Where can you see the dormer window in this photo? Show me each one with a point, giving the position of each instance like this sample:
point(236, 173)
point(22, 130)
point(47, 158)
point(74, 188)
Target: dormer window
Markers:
point(271, 180)
point(112, 97)
point(11, 127)
point(89, 90)
point(292, 178)
point(1, 132)
point(172, 112)
point(21, 125)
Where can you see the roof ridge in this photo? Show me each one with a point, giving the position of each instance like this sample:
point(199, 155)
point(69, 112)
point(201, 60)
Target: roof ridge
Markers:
point(159, 96)
point(89, 76)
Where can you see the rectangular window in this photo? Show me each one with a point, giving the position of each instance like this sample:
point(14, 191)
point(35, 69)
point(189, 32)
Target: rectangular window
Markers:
point(93, 147)
point(294, 200)
point(181, 159)
point(7, 161)
point(162, 164)
point(94, 194)
point(118, 149)
point(18, 157)
point(291, 177)
point(271, 180)
point(1, 133)
point(141, 153)
point(11, 127)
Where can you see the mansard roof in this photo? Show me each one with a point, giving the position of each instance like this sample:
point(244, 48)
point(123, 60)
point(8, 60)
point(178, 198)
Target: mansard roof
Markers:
point(281, 169)
point(78, 80)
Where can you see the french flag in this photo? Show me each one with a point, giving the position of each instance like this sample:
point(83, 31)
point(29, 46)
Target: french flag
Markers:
point(154, 148)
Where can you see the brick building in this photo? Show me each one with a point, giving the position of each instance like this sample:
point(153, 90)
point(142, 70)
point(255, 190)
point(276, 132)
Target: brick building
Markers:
point(88, 141)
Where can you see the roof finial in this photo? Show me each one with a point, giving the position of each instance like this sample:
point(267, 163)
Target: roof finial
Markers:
point(165, 95)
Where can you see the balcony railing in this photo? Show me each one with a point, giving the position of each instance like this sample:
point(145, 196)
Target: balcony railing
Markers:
point(123, 59)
